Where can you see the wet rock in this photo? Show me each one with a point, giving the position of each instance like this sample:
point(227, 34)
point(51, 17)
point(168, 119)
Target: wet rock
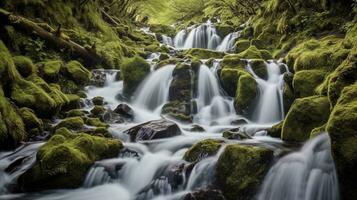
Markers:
point(98, 101)
point(154, 130)
point(275, 131)
point(197, 128)
point(235, 135)
point(204, 194)
point(241, 169)
point(239, 122)
point(98, 111)
point(111, 117)
point(124, 110)
point(202, 150)
point(178, 110)
point(181, 85)
point(64, 160)
point(98, 78)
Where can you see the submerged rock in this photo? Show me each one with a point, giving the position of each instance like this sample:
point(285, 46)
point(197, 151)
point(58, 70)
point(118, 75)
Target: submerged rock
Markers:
point(151, 130)
point(241, 169)
point(124, 110)
point(204, 194)
point(64, 160)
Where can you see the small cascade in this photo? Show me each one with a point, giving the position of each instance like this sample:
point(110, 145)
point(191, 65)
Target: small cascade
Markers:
point(97, 175)
point(179, 40)
point(228, 42)
point(269, 108)
point(309, 174)
point(204, 36)
point(154, 90)
point(15, 163)
point(210, 103)
point(167, 40)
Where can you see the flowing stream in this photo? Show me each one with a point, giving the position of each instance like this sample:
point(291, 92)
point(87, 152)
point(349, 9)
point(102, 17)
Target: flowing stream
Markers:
point(156, 170)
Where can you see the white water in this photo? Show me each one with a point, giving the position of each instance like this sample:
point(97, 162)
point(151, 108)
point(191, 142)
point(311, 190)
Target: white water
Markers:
point(167, 40)
point(204, 36)
point(228, 42)
point(269, 108)
point(309, 174)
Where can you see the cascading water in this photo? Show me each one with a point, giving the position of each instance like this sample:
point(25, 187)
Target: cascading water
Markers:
point(154, 90)
point(179, 40)
point(167, 40)
point(212, 105)
point(228, 42)
point(309, 174)
point(204, 36)
point(269, 108)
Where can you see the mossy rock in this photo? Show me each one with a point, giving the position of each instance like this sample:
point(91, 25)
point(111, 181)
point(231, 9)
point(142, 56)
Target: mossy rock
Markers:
point(202, 150)
point(170, 61)
point(98, 110)
point(288, 91)
point(64, 160)
point(133, 71)
point(305, 82)
point(241, 45)
point(275, 131)
point(251, 53)
point(74, 123)
point(96, 122)
point(203, 53)
point(224, 30)
point(327, 54)
point(78, 73)
point(342, 128)
point(51, 69)
point(247, 92)
point(181, 85)
point(24, 65)
point(179, 110)
point(241, 169)
point(304, 115)
point(344, 75)
point(233, 61)
point(99, 101)
point(259, 67)
point(12, 127)
point(164, 56)
point(30, 119)
point(75, 113)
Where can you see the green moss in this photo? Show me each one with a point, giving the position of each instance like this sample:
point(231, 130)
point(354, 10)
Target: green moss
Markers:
point(24, 65)
point(224, 30)
point(98, 110)
point(317, 131)
point(96, 122)
point(30, 119)
point(12, 128)
point(275, 131)
point(51, 69)
point(251, 53)
point(344, 75)
point(179, 110)
point(233, 61)
point(241, 169)
point(133, 71)
point(52, 169)
point(202, 150)
point(164, 56)
point(241, 45)
point(326, 53)
point(306, 81)
point(75, 113)
point(342, 128)
point(305, 114)
point(74, 123)
point(7, 67)
point(246, 93)
point(203, 53)
point(259, 67)
point(99, 101)
point(78, 73)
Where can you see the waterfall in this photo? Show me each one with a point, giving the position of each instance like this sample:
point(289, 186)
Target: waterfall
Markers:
point(167, 40)
point(97, 175)
point(269, 108)
point(154, 90)
point(309, 174)
point(179, 40)
point(228, 42)
point(204, 36)
point(211, 104)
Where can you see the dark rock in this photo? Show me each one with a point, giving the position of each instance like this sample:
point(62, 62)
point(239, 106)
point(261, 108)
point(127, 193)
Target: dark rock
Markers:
point(99, 101)
point(197, 128)
point(204, 194)
point(98, 78)
point(154, 130)
point(124, 110)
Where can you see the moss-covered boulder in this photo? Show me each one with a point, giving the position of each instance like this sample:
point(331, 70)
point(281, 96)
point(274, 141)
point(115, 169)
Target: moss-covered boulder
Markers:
point(202, 150)
point(96, 122)
point(50, 70)
point(259, 67)
point(75, 113)
point(275, 130)
point(24, 65)
point(304, 115)
point(64, 160)
point(98, 110)
point(233, 61)
point(241, 45)
point(178, 110)
point(342, 128)
point(344, 75)
point(181, 85)
point(203, 53)
point(241, 170)
point(12, 127)
point(254, 53)
point(32, 123)
point(74, 123)
point(77, 72)
point(305, 82)
point(133, 71)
